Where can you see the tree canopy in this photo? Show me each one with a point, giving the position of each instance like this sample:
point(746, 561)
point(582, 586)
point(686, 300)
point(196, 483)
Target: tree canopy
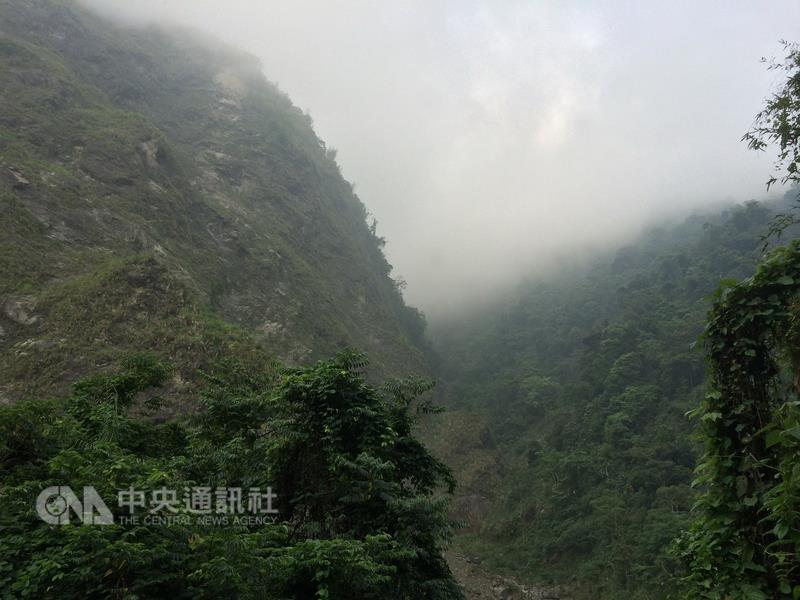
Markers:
point(360, 503)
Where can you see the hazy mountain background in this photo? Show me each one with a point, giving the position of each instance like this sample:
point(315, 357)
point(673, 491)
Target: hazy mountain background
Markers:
point(485, 136)
point(567, 423)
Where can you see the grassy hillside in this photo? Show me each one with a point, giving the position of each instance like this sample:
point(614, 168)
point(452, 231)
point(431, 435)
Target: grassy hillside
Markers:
point(571, 440)
point(153, 181)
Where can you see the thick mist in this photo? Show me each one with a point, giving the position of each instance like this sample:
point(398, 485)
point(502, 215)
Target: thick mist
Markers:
point(489, 137)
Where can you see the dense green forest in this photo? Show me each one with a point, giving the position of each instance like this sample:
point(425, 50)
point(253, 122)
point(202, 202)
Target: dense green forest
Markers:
point(573, 398)
point(571, 432)
point(354, 508)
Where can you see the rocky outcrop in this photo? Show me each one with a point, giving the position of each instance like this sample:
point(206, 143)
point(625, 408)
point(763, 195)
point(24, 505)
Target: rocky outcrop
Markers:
point(15, 178)
point(20, 310)
point(479, 583)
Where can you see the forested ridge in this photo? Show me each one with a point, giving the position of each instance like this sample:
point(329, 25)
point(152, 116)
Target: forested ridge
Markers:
point(574, 398)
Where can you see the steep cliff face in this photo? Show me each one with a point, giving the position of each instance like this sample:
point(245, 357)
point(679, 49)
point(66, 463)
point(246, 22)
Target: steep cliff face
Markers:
point(154, 187)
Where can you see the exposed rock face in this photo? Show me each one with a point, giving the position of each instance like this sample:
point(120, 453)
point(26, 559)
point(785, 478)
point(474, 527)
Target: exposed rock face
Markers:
point(131, 143)
point(233, 88)
point(480, 584)
point(20, 310)
point(508, 589)
point(150, 151)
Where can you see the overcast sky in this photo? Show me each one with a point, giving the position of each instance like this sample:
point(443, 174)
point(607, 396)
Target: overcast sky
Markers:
point(485, 136)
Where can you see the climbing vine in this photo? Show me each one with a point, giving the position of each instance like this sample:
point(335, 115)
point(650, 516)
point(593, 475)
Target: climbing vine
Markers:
point(745, 538)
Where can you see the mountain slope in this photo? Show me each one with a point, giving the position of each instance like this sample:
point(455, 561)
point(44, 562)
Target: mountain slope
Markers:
point(573, 398)
point(156, 181)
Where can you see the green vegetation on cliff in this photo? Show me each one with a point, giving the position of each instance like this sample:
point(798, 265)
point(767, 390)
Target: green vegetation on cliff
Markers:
point(123, 150)
point(572, 401)
point(744, 541)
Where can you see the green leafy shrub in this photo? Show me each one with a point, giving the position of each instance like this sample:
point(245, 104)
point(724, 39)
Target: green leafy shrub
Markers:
point(745, 539)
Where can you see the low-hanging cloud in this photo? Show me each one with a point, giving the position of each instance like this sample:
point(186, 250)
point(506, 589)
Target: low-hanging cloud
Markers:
point(487, 136)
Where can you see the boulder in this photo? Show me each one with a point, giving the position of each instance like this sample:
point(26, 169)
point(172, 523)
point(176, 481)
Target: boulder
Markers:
point(20, 310)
